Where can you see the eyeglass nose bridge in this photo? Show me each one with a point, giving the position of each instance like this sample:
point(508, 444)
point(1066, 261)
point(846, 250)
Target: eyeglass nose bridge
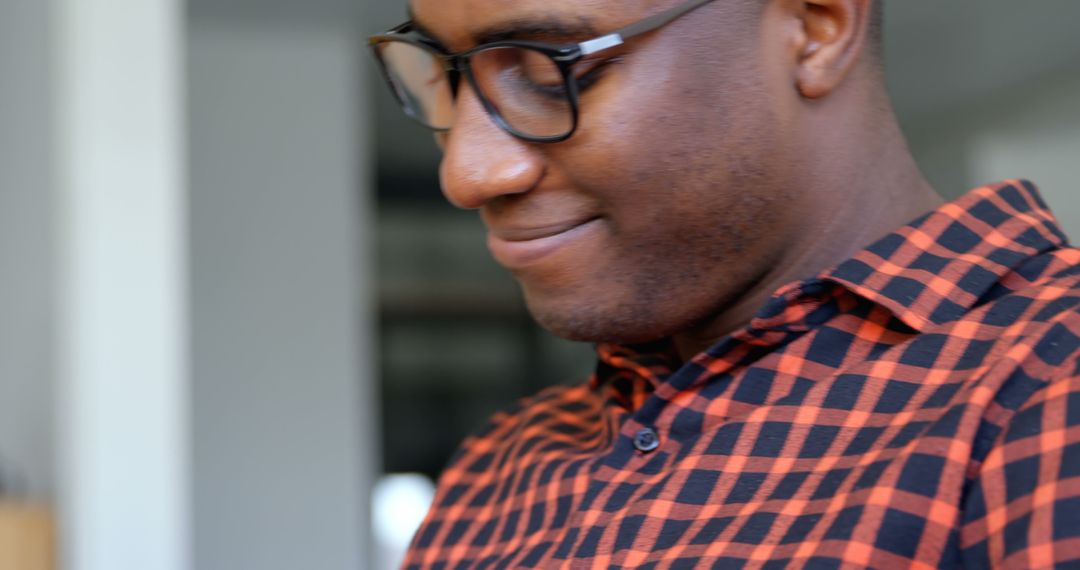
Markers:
point(454, 66)
point(452, 63)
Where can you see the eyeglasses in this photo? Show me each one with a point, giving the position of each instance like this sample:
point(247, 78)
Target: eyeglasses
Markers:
point(530, 89)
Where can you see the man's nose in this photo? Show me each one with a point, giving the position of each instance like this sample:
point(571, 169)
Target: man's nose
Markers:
point(481, 161)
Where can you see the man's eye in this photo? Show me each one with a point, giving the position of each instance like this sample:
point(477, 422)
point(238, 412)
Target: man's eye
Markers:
point(589, 76)
point(546, 74)
point(539, 69)
point(542, 76)
point(588, 71)
point(522, 70)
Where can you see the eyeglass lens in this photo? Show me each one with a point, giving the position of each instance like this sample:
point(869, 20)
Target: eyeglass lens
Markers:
point(524, 87)
point(420, 82)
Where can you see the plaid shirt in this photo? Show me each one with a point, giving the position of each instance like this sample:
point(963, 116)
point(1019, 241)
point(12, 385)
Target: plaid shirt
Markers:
point(917, 406)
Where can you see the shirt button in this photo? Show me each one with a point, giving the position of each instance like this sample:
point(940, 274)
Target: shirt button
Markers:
point(646, 440)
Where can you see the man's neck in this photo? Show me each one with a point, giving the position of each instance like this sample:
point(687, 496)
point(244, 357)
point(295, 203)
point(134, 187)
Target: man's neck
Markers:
point(874, 191)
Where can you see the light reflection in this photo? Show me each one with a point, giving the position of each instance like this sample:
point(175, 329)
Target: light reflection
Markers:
point(399, 503)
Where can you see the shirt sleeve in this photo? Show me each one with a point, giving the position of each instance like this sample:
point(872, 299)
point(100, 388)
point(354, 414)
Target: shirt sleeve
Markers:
point(1022, 509)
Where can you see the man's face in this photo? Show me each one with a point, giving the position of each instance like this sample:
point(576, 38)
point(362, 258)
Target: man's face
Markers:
point(670, 200)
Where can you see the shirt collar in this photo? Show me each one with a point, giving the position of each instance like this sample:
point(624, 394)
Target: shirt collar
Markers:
point(935, 269)
point(930, 272)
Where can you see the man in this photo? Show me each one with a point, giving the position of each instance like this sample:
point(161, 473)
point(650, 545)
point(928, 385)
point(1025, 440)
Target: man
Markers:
point(792, 372)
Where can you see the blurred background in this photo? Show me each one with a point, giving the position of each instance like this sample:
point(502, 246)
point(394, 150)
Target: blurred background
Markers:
point(239, 328)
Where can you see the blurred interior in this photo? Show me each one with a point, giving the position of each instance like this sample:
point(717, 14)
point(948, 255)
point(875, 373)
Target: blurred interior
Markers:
point(233, 298)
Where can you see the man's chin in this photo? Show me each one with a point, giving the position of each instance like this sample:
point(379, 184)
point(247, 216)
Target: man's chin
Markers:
point(594, 325)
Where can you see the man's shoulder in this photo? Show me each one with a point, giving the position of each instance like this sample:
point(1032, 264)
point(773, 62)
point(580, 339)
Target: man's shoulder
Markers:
point(1041, 293)
point(1026, 335)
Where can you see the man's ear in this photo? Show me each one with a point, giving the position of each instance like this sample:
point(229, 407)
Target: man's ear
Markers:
point(832, 38)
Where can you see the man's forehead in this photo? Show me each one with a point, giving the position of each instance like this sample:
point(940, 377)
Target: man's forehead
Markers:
point(464, 22)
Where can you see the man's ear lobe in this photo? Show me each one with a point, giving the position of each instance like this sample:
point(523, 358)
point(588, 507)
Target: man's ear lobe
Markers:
point(833, 36)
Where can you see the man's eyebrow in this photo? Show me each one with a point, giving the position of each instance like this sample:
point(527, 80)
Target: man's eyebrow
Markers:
point(419, 26)
point(539, 28)
point(544, 28)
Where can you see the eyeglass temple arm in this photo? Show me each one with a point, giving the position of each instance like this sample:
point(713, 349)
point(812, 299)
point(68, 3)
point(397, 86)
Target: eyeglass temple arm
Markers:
point(647, 25)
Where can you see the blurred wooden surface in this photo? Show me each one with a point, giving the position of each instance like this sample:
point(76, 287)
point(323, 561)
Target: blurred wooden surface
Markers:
point(27, 537)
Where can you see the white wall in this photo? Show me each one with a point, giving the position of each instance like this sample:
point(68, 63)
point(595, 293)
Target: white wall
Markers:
point(122, 421)
point(1038, 139)
point(1031, 132)
point(283, 415)
point(93, 286)
point(92, 283)
point(26, 249)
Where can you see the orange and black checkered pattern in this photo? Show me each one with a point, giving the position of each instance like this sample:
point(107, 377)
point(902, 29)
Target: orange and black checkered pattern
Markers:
point(918, 406)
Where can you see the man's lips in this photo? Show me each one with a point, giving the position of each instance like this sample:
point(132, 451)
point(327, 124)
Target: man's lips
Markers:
point(518, 246)
point(532, 232)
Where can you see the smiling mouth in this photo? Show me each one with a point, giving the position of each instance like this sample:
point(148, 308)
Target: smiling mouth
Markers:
point(517, 247)
point(538, 232)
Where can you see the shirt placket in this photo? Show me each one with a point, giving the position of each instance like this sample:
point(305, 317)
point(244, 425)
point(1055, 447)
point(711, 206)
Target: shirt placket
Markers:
point(644, 448)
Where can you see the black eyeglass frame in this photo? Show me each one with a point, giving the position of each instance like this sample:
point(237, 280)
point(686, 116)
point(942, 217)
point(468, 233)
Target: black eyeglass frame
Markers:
point(564, 56)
